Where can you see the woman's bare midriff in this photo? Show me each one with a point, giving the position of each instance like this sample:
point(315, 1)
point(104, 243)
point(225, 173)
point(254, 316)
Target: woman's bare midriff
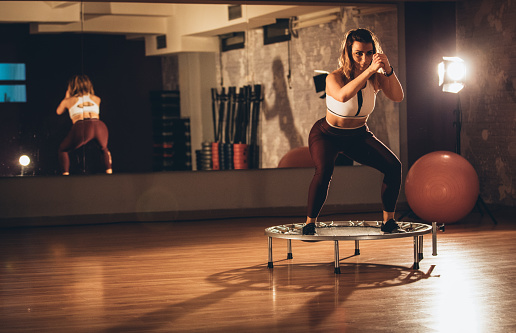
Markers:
point(85, 115)
point(345, 123)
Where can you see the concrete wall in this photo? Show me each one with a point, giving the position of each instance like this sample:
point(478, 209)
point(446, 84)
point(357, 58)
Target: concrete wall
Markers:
point(486, 36)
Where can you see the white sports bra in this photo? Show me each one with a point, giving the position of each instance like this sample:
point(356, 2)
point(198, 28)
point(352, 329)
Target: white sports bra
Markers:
point(80, 107)
point(359, 106)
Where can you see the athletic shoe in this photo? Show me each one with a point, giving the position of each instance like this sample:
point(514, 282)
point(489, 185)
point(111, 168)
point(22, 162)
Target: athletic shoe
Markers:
point(309, 229)
point(390, 226)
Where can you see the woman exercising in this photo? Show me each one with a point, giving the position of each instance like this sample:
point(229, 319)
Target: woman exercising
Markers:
point(350, 98)
point(83, 107)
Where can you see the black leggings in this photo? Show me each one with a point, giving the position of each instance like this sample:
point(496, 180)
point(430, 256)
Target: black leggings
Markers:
point(326, 142)
point(82, 132)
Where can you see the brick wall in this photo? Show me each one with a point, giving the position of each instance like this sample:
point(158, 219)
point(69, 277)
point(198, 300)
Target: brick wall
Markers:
point(486, 39)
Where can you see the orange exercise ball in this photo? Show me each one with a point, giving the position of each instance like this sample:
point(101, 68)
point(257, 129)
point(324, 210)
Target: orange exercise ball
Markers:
point(442, 187)
point(297, 158)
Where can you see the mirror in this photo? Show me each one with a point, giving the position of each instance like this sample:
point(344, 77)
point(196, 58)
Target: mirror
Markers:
point(137, 54)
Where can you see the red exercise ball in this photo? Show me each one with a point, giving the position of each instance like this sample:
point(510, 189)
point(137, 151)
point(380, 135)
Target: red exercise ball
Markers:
point(442, 187)
point(297, 158)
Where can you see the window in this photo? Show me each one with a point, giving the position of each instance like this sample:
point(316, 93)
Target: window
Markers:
point(232, 41)
point(234, 12)
point(275, 33)
point(12, 83)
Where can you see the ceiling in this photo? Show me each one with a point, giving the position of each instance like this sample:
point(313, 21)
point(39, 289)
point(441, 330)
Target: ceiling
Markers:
point(188, 27)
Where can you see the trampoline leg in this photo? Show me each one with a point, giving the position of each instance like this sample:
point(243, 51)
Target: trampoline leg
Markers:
point(289, 249)
point(416, 254)
point(420, 252)
point(270, 264)
point(337, 266)
point(357, 247)
point(434, 238)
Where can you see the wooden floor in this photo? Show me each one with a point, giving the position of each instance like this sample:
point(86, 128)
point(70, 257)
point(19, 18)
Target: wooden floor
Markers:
point(212, 276)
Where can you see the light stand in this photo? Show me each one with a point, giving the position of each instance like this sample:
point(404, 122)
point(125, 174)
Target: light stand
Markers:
point(457, 124)
point(452, 72)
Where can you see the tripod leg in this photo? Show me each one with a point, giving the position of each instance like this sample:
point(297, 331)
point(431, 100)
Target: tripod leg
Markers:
point(479, 200)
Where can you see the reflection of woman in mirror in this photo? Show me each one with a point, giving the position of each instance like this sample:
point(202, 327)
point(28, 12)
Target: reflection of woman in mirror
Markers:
point(83, 108)
point(350, 98)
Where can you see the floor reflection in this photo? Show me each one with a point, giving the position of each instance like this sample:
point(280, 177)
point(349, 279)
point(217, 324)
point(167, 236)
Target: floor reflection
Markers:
point(320, 287)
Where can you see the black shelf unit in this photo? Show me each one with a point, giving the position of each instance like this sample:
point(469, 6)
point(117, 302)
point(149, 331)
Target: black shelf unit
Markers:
point(172, 149)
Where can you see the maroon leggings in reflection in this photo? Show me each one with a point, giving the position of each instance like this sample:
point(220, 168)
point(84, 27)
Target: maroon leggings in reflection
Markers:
point(81, 133)
point(360, 145)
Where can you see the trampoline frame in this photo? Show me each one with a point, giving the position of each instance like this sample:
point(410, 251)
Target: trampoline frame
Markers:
point(410, 229)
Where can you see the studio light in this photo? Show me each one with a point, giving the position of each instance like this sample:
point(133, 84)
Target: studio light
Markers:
point(320, 81)
point(24, 160)
point(452, 73)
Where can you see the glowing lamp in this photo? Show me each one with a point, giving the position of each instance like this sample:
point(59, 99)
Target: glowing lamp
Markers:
point(452, 73)
point(24, 160)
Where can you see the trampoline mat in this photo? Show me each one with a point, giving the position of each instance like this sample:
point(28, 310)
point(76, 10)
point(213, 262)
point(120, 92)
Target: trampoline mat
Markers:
point(347, 230)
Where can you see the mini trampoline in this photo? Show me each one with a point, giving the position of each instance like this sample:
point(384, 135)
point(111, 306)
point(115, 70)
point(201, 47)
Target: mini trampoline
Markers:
point(353, 230)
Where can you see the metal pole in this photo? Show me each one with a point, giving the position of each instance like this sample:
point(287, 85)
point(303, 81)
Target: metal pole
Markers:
point(289, 249)
point(270, 264)
point(337, 267)
point(434, 238)
point(214, 111)
point(416, 255)
point(420, 252)
point(357, 247)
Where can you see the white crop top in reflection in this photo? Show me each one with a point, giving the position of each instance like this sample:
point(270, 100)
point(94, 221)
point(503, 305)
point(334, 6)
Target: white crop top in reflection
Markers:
point(359, 106)
point(84, 104)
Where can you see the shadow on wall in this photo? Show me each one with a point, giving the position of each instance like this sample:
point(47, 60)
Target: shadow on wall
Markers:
point(281, 107)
